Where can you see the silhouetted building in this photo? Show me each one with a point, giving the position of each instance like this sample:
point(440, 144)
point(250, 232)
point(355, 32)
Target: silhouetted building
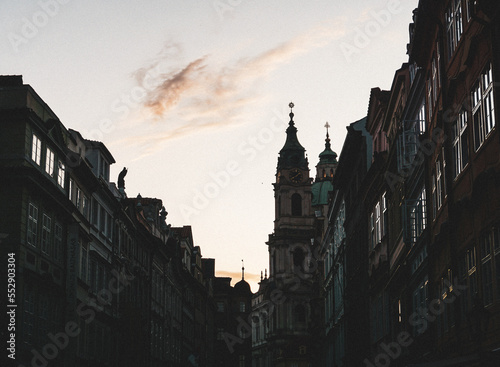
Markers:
point(427, 210)
point(101, 279)
point(232, 322)
point(287, 308)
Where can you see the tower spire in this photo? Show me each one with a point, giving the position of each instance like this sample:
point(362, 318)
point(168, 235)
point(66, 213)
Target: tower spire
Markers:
point(292, 155)
point(327, 140)
point(242, 270)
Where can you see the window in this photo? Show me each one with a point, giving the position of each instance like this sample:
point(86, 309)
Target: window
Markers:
point(378, 222)
point(83, 262)
point(58, 238)
point(460, 144)
point(430, 103)
point(102, 219)
point(296, 205)
point(435, 81)
point(486, 268)
point(439, 183)
point(420, 299)
point(93, 275)
point(470, 8)
point(32, 230)
point(379, 323)
point(220, 333)
point(85, 206)
point(421, 119)
point(298, 258)
point(29, 315)
point(408, 142)
point(446, 319)
point(490, 264)
point(104, 169)
point(454, 26)
point(242, 307)
point(71, 189)
point(36, 149)
point(434, 196)
point(417, 212)
point(109, 224)
point(483, 109)
point(46, 225)
point(220, 307)
point(242, 361)
point(49, 162)
point(95, 211)
point(468, 278)
point(61, 174)
point(78, 198)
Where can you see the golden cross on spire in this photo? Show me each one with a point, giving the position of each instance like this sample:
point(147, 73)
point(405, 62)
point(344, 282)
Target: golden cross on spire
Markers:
point(327, 125)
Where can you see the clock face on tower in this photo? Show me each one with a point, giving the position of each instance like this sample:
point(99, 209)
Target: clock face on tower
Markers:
point(295, 176)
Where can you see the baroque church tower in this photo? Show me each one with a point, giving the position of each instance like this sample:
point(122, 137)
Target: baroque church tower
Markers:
point(291, 290)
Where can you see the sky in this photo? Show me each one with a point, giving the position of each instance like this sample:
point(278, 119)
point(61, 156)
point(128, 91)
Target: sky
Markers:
point(192, 96)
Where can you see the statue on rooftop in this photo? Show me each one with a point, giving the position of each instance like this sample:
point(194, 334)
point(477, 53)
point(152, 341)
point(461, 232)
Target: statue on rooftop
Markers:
point(121, 178)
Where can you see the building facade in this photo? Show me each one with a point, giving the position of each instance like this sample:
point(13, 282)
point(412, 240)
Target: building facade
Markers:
point(101, 278)
point(429, 209)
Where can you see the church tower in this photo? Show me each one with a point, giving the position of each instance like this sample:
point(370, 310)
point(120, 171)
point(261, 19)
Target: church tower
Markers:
point(291, 257)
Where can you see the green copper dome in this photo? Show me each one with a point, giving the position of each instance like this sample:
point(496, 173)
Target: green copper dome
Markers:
point(327, 155)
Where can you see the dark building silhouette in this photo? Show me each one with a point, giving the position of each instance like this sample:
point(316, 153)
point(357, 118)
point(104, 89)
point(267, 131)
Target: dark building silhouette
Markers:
point(233, 332)
point(288, 308)
point(421, 241)
point(101, 278)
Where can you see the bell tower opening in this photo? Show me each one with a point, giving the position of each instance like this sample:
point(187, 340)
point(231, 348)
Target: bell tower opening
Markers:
point(296, 205)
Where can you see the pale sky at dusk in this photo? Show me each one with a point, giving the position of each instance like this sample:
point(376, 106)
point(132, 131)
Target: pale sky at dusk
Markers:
point(192, 96)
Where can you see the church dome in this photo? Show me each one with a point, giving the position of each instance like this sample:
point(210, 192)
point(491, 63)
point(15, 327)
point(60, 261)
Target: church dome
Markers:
point(242, 287)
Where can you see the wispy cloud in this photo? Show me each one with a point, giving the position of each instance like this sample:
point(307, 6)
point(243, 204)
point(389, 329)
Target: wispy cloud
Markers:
point(189, 95)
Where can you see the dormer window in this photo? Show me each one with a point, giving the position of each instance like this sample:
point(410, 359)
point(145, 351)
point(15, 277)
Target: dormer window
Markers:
point(104, 168)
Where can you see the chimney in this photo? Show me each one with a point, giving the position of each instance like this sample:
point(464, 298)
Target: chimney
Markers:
point(11, 80)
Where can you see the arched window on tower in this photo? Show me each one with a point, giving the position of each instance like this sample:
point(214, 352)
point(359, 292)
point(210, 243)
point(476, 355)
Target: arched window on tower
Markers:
point(324, 174)
point(331, 172)
point(298, 258)
point(296, 205)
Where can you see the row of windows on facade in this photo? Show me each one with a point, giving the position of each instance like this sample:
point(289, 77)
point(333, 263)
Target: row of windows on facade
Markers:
point(50, 159)
point(96, 341)
point(482, 111)
point(100, 217)
point(49, 236)
point(471, 273)
point(163, 345)
point(480, 107)
point(240, 307)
